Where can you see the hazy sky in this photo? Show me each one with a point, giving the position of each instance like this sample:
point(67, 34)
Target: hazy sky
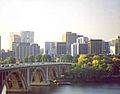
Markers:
point(50, 18)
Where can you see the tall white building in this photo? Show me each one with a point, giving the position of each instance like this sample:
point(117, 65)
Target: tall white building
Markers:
point(112, 46)
point(27, 36)
point(74, 49)
point(112, 50)
point(82, 40)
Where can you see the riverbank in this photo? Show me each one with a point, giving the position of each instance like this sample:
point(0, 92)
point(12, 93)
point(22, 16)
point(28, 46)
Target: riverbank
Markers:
point(109, 79)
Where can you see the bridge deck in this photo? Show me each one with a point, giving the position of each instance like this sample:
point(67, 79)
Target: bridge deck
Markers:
point(25, 65)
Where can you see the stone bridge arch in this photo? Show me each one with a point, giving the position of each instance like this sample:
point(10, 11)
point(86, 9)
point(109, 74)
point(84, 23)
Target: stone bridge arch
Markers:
point(64, 69)
point(53, 73)
point(38, 76)
point(15, 81)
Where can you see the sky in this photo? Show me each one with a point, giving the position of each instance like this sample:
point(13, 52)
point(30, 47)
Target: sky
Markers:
point(49, 19)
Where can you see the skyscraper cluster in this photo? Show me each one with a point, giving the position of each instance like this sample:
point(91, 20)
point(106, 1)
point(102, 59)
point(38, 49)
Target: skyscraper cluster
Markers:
point(74, 44)
point(61, 48)
point(84, 45)
point(22, 43)
point(23, 36)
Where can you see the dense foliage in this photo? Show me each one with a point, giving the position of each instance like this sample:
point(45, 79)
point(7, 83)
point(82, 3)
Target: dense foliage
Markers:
point(39, 58)
point(95, 67)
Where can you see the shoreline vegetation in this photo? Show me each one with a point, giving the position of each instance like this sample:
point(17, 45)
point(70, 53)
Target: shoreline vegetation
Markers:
point(105, 80)
point(95, 69)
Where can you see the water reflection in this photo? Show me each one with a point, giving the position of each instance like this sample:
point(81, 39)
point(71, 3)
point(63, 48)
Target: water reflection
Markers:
point(42, 89)
point(39, 90)
point(76, 89)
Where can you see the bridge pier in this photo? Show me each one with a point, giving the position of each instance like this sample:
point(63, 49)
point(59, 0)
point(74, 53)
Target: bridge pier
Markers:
point(59, 72)
point(47, 76)
point(28, 80)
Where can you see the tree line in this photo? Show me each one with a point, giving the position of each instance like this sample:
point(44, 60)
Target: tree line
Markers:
point(38, 58)
point(95, 68)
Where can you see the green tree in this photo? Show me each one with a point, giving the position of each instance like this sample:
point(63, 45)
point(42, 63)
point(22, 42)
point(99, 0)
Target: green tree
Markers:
point(19, 61)
point(11, 60)
point(26, 59)
point(46, 58)
point(95, 63)
point(96, 57)
point(84, 58)
point(31, 58)
point(116, 65)
point(57, 59)
point(75, 59)
point(4, 61)
point(67, 58)
point(38, 58)
point(109, 68)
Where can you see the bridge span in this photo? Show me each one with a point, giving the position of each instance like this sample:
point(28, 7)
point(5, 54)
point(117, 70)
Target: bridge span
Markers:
point(20, 77)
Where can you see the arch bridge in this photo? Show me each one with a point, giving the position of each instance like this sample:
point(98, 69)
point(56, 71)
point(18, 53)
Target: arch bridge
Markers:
point(20, 77)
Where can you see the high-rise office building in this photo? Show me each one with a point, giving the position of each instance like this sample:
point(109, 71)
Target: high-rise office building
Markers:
point(34, 49)
point(50, 48)
point(24, 36)
point(95, 46)
point(69, 38)
point(14, 37)
point(21, 49)
point(117, 45)
point(60, 48)
point(83, 48)
point(27, 36)
point(106, 48)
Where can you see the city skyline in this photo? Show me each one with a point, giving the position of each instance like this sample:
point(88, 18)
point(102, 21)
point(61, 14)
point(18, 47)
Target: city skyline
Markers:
point(50, 19)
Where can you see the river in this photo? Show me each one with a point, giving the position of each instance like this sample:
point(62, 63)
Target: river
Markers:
point(76, 89)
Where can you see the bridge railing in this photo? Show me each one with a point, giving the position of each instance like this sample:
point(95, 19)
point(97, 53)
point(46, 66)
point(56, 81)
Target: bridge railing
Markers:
point(8, 66)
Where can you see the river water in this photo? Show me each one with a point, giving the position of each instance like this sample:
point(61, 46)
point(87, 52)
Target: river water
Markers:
point(76, 89)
